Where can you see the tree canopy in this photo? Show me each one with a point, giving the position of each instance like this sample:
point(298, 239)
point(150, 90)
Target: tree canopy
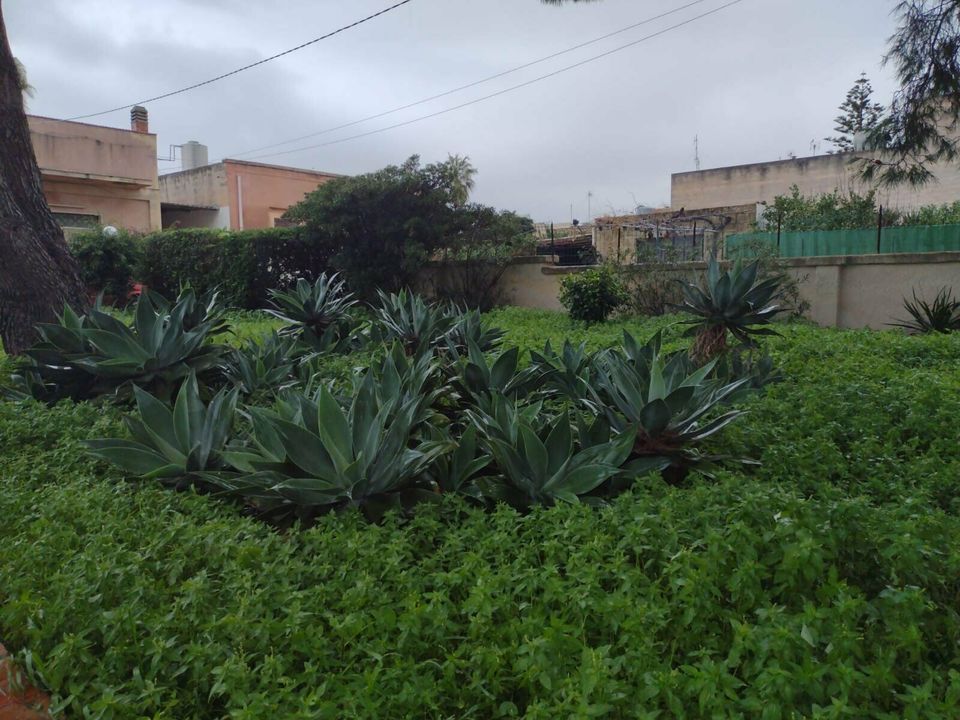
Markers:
point(920, 127)
point(859, 114)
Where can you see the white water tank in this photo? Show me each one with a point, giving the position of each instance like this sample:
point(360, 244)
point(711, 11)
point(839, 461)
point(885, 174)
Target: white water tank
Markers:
point(193, 155)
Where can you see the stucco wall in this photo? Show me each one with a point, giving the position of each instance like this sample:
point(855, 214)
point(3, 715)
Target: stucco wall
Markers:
point(267, 191)
point(762, 182)
point(126, 207)
point(101, 171)
point(201, 187)
point(847, 292)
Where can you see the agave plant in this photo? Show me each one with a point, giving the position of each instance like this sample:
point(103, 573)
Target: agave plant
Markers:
point(320, 311)
point(268, 366)
point(322, 457)
point(567, 374)
point(205, 309)
point(941, 316)
point(408, 318)
point(468, 327)
point(538, 458)
point(174, 445)
point(480, 377)
point(669, 407)
point(730, 300)
point(97, 354)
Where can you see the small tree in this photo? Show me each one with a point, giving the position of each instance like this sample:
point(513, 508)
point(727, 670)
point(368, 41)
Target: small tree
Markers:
point(383, 226)
point(859, 115)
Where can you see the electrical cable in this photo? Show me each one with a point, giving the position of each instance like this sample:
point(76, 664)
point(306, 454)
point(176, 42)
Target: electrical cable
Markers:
point(475, 83)
point(246, 67)
point(505, 90)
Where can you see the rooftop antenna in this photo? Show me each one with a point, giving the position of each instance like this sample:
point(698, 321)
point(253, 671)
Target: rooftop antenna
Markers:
point(696, 151)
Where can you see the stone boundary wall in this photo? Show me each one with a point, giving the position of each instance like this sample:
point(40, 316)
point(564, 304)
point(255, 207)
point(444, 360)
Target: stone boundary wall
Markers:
point(853, 291)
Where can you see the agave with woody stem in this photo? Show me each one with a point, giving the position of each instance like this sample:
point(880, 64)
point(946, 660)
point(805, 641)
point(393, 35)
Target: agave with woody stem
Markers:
point(175, 444)
point(729, 300)
point(941, 316)
point(672, 409)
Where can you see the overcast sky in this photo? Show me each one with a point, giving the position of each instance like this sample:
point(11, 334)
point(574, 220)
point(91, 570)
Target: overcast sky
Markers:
point(755, 81)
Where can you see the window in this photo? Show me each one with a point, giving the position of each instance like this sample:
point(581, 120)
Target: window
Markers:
point(74, 223)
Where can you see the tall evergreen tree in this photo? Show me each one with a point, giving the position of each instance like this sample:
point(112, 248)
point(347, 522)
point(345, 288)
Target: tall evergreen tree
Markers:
point(859, 114)
point(921, 126)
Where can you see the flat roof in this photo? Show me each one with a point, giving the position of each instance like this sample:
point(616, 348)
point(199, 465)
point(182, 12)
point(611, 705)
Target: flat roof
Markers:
point(102, 127)
point(282, 167)
point(766, 162)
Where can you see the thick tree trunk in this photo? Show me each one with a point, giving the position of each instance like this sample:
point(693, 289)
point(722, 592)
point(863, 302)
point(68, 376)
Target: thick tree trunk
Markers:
point(38, 275)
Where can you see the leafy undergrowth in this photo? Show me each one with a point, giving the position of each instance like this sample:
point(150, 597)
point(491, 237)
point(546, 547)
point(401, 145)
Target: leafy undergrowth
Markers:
point(825, 583)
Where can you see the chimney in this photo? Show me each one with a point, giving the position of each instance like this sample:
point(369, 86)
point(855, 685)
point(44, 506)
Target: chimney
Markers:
point(138, 119)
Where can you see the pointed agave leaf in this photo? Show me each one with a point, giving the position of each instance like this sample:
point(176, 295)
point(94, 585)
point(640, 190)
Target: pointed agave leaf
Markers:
point(558, 445)
point(655, 417)
point(334, 430)
point(134, 457)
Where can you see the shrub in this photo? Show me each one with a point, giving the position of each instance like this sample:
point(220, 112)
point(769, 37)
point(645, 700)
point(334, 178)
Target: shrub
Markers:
point(244, 266)
point(592, 295)
point(108, 262)
point(942, 315)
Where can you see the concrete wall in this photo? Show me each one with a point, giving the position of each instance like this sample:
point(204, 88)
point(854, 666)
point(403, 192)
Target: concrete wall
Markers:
point(104, 172)
point(844, 291)
point(204, 187)
point(762, 182)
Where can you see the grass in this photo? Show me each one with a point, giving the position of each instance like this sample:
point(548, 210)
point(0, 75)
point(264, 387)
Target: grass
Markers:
point(826, 583)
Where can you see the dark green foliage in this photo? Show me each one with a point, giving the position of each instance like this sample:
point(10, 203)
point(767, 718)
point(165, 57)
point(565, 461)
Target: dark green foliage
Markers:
point(468, 270)
point(265, 367)
point(942, 315)
point(918, 130)
point(244, 265)
point(319, 314)
point(407, 318)
point(540, 462)
point(173, 443)
point(83, 357)
point(829, 211)
point(859, 115)
point(108, 262)
point(382, 227)
point(592, 295)
point(665, 403)
point(822, 583)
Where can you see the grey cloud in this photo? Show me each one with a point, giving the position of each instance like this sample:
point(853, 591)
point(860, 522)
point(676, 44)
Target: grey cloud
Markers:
point(755, 81)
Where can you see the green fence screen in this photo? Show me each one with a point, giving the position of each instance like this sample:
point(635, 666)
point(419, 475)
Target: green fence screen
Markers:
point(912, 239)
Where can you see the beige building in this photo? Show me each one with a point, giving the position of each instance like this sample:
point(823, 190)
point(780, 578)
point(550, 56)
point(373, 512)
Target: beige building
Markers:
point(762, 182)
point(94, 175)
point(232, 194)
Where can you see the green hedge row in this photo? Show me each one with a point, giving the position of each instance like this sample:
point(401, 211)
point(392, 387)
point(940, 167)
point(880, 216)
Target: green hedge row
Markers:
point(243, 265)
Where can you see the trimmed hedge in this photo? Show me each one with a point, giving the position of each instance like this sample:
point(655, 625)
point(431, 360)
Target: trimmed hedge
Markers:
point(243, 265)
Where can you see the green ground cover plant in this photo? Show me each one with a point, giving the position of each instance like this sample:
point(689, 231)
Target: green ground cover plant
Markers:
point(823, 582)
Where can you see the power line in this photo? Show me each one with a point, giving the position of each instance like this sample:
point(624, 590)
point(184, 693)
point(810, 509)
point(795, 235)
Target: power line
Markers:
point(247, 67)
point(476, 82)
point(505, 90)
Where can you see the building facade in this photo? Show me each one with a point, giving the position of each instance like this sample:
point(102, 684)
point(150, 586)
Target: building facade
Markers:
point(818, 175)
point(233, 194)
point(94, 175)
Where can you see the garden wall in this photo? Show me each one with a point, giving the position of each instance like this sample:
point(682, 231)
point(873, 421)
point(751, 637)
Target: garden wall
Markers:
point(851, 291)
